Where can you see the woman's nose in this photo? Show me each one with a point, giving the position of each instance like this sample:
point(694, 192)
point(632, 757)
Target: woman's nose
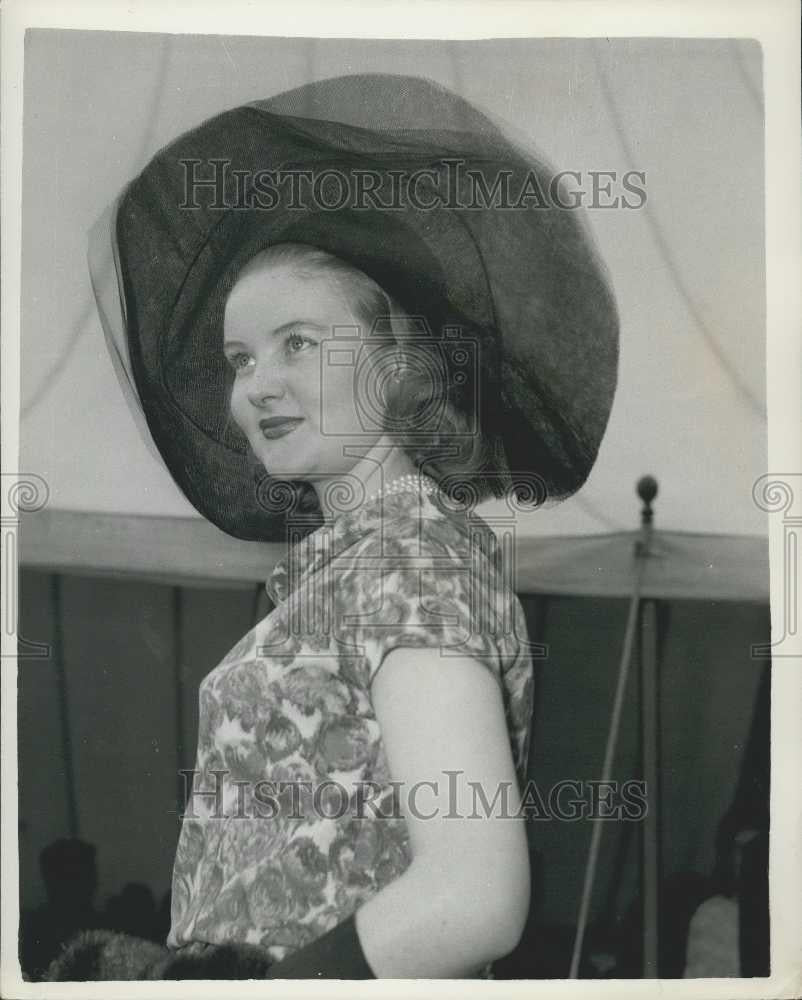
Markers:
point(265, 385)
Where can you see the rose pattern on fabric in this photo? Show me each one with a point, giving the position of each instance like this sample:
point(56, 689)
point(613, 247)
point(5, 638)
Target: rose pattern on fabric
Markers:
point(269, 854)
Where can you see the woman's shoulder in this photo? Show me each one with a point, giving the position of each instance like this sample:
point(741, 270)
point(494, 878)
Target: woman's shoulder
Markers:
point(427, 529)
point(420, 553)
point(431, 580)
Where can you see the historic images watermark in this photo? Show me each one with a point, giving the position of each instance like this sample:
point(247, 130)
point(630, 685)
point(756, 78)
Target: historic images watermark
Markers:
point(448, 797)
point(22, 493)
point(781, 493)
point(217, 184)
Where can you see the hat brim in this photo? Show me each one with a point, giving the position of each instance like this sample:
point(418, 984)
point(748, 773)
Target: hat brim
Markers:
point(525, 284)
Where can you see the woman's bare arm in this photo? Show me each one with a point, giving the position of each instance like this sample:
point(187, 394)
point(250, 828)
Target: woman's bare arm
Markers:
point(463, 900)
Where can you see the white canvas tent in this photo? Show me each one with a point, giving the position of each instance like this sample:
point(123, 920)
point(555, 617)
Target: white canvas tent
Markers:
point(687, 267)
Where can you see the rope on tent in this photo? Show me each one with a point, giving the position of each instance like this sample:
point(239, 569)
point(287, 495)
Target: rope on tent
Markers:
point(647, 488)
point(81, 324)
point(668, 258)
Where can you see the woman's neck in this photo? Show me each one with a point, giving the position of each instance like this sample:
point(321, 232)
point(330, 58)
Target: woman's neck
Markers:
point(384, 462)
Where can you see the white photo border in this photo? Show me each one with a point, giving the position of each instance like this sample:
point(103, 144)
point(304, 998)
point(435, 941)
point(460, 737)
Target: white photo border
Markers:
point(775, 25)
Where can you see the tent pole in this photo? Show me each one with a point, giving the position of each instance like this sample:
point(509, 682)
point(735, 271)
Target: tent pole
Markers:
point(178, 697)
point(647, 491)
point(63, 704)
point(650, 749)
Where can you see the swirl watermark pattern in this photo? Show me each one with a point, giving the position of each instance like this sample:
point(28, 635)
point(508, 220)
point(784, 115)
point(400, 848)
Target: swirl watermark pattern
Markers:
point(781, 493)
point(22, 493)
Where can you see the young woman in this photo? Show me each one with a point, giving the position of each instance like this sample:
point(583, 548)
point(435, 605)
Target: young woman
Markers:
point(354, 380)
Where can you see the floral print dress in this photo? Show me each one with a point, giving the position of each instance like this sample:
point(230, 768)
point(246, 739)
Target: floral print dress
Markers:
point(294, 821)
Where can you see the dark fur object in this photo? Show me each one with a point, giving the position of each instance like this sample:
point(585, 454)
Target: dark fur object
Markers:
point(109, 955)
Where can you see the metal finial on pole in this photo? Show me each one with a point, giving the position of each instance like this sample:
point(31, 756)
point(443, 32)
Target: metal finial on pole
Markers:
point(647, 491)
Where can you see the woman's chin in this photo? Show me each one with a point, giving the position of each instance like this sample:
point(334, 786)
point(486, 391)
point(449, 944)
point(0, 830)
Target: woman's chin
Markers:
point(283, 460)
point(299, 471)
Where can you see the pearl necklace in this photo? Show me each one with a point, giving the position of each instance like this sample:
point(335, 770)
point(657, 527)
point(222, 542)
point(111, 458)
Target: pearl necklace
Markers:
point(409, 483)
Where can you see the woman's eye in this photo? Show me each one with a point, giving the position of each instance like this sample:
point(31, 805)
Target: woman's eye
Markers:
point(238, 361)
point(297, 342)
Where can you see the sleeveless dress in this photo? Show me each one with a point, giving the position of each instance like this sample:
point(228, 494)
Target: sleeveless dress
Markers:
point(294, 821)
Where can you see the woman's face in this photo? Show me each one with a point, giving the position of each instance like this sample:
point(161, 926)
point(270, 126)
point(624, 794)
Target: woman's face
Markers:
point(293, 393)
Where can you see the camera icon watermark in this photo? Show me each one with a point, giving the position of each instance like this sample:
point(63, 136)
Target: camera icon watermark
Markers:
point(401, 377)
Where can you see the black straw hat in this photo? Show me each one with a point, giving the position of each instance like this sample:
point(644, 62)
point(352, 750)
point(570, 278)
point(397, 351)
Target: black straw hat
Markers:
point(421, 191)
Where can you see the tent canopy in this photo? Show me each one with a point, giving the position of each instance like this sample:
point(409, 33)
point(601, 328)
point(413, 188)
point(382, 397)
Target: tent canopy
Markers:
point(687, 267)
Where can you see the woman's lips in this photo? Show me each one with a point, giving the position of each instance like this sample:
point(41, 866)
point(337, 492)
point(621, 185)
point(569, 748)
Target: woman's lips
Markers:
point(279, 428)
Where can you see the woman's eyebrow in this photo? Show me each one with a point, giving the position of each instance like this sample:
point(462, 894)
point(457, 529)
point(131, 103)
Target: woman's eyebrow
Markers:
point(284, 328)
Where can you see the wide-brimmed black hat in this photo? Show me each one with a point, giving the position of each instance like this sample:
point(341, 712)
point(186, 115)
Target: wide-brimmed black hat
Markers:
point(418, 189)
